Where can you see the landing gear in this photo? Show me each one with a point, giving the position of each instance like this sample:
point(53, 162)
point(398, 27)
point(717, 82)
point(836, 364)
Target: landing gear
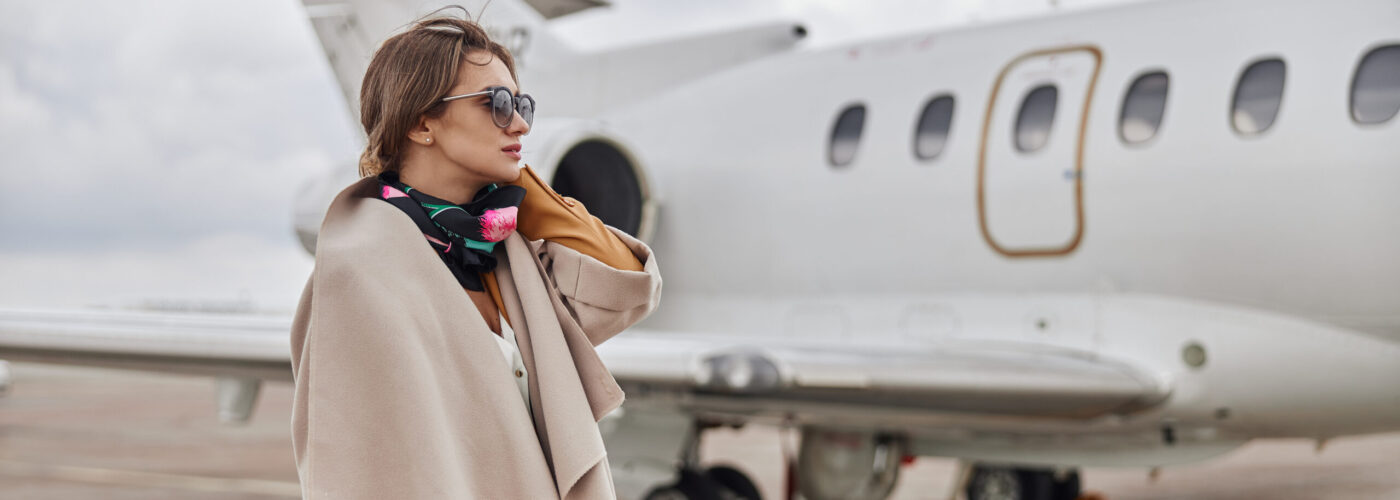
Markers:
point(693, 482)
point(1006, 483)
point(1066, 486)
point(6, 380)
point(848, 465)
point(735, 481)
point(715, 483)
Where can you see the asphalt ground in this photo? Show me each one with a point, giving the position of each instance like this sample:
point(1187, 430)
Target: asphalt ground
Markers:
point(80, 433)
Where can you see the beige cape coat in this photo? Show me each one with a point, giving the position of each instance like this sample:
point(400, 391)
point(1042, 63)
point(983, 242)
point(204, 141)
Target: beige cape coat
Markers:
point(402, 393)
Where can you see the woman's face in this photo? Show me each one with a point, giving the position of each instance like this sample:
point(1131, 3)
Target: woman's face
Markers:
point(465, 133)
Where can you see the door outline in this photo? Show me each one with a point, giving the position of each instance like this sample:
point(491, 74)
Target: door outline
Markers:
point(1078, 155)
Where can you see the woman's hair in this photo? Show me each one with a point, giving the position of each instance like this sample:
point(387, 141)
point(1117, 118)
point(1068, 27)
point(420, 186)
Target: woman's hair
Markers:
point(406, 78)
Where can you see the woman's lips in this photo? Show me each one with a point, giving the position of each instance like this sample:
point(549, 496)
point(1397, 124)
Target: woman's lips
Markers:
point(512, 151)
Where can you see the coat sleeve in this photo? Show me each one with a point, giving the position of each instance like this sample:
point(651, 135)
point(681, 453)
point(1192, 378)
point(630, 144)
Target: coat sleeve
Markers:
point(603, 300)
point(607, 279)
point(546, 215)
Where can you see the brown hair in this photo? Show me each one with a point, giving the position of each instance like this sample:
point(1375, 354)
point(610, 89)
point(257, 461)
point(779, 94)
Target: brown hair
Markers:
point(406, 78)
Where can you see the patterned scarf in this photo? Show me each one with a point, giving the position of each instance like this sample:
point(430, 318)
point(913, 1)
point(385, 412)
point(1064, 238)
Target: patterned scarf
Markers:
point(463, 235)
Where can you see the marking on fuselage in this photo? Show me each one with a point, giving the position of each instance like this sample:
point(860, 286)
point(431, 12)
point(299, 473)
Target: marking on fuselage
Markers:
point(1078, 169)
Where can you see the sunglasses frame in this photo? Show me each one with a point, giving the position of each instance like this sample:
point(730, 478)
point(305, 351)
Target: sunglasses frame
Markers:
point(515, 101)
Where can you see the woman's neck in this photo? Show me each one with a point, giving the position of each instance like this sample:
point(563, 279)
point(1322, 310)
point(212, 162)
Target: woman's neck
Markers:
point(445, 181)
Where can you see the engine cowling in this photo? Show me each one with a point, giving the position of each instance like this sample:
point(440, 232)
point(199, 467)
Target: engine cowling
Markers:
point(850, 465)
point(586, 160)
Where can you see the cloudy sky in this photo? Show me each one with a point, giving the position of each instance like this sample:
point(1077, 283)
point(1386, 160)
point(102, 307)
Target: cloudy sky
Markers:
point(152, 150)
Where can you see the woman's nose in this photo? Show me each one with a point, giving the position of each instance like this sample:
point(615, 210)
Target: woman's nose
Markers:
point(518, 125)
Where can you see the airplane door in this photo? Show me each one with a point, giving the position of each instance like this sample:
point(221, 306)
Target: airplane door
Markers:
point(1030, 166)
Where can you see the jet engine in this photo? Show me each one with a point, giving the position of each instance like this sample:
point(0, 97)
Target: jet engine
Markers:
point(587, 161)
point(847, 465)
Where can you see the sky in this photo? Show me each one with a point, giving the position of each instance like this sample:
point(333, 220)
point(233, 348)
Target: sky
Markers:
point(152, 151)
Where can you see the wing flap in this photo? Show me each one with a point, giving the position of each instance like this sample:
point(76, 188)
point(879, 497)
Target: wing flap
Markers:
point(197, 344)
point(995, 379)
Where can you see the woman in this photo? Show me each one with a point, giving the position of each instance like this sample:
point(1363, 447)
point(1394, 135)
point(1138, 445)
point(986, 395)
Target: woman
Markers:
point(443, 347)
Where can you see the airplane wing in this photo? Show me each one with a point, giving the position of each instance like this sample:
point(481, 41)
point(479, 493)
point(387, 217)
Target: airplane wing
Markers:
point(226, 345)
point(242, 351)
point(871, 383)
point(724, 376)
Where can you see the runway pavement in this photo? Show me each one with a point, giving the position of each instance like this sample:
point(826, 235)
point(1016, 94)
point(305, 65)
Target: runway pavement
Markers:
point(70, 433)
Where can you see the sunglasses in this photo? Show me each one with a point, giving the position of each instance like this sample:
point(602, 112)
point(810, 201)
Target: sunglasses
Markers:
point(504, 105)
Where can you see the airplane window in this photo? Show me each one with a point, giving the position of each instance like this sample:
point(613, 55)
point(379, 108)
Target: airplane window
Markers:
point(1375, 90)
point(605, 180)
point(845, 136)
point(1143, 107)
point(1257, 96)
point(932, 134)
point(1034, 120)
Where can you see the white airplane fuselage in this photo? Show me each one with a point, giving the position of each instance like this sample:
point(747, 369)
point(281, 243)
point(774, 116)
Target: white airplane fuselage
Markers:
point(1273, 252)
point(1250, 274)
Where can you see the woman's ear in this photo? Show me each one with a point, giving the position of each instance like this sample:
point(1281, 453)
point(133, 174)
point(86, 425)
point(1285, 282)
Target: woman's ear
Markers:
point(422, 133)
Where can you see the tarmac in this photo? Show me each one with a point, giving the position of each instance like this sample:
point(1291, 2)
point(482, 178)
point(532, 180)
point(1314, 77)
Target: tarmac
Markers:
point(69, 433)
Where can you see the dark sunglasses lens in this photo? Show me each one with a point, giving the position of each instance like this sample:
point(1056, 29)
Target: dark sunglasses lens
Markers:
point(526, 107)
point(501, 109)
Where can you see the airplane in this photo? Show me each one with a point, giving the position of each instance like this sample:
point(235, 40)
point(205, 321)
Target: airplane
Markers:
point(1128, 234)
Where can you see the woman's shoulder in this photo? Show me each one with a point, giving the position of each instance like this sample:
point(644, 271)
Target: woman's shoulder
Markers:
point(359, 227)
point(366, 242)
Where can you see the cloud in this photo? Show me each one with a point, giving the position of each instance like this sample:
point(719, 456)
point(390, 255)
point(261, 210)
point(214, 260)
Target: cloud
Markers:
point(136, 130)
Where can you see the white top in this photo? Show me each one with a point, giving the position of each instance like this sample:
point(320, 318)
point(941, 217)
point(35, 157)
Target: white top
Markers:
point(516, 364)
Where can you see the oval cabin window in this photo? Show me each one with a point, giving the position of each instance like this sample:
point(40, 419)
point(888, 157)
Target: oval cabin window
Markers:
point(931, 136)
point(1034, 120)
point(1375, 89)
point(1258, 96)
point(1143, 107)
point(845, 135)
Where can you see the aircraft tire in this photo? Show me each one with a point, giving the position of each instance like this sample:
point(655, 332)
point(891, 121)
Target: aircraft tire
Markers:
point(1005, 483)
point(692, 485)
point(735, 481)
point(1067, 488)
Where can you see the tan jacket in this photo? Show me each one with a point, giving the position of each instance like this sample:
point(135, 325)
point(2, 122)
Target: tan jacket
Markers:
point(402, 393)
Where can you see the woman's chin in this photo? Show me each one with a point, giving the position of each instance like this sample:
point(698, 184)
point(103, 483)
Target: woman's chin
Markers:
point(510, 175)
point(497, 174)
